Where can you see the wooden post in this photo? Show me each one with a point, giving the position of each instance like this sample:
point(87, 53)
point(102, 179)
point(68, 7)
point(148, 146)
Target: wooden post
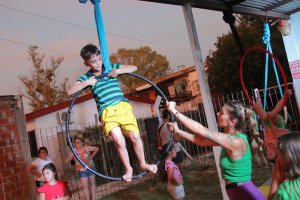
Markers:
point(202, 80)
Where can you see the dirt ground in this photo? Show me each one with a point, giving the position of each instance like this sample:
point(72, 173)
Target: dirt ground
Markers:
point(200, 182)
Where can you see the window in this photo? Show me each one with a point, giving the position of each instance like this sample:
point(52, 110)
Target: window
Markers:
point(32, 144)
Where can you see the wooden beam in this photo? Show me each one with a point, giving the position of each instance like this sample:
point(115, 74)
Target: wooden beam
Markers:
point(278, 4)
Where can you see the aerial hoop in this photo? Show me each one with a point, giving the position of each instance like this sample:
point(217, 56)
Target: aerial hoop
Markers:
point(278, 65)
point(76, 155)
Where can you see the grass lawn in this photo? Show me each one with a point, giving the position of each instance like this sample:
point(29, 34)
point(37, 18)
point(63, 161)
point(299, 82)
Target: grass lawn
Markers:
point(200, 182)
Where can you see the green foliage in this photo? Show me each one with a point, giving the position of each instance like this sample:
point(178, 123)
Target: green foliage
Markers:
point(223, 64)
point(41, 86)
point(94, 134)
point(150, 64)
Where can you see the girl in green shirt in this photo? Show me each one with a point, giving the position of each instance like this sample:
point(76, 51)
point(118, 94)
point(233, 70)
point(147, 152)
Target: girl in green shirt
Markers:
point(286, 171)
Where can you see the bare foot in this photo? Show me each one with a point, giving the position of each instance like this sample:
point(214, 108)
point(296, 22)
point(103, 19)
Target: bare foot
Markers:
point(127, 177)
point(149, 167)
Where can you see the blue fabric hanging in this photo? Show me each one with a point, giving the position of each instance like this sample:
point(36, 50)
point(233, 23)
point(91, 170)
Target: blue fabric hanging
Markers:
point(266, 41)
point(101, 34)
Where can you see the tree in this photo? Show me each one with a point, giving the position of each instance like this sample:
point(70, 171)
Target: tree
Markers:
point(223, 64)
point(150, 64)
point(41, 86)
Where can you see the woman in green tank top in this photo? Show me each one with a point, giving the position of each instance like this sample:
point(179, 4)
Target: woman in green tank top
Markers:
point(286, 172)
point(235, 158)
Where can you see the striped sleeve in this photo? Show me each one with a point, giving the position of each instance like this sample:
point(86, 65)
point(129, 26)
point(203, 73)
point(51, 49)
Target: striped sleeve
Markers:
point(116, 66)
point(83, 78)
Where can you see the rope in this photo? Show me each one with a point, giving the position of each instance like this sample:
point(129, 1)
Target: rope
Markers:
point(266, 40)
point(101, 34)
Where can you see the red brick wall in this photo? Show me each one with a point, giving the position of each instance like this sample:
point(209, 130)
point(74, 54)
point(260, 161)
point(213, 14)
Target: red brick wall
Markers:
point(14, 180)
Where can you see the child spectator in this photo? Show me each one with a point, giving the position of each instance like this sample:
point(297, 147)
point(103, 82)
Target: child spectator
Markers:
point(286, 171)
point(35, 168)
point(53, 189)
point(86, 154)
point(173, 175)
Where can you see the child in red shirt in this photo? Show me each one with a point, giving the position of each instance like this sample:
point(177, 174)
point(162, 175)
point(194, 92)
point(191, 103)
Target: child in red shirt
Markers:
point(53, 189)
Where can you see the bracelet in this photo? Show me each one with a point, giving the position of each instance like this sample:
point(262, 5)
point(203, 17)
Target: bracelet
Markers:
point(176, 114)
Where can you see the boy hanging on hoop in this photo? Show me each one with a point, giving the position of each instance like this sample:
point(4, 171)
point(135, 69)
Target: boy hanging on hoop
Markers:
point(114, 110)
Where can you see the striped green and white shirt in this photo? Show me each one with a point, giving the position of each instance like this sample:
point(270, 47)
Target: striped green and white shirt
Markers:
point(106, 91)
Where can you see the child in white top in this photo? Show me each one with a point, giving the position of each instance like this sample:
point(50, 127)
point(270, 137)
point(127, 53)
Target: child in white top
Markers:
point(35, 168)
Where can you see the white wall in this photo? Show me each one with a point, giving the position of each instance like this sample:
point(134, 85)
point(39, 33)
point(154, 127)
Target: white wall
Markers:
point(292, 47)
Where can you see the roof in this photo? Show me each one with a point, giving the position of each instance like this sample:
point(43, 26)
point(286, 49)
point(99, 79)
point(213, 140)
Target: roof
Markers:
point(51, 109)
point(271, 8)
point(182, 71)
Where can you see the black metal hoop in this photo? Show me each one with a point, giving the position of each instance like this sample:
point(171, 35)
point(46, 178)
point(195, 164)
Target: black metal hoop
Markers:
point(73, 149)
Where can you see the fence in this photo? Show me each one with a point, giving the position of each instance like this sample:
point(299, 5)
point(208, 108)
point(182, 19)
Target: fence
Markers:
point(106, 160)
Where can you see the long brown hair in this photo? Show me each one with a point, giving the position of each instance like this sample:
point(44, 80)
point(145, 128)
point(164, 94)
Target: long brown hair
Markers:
point(241, 113)
point(289, 146)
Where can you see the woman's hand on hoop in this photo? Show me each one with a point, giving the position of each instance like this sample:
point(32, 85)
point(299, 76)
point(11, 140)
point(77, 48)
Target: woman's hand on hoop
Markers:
point(173, 126)
point(171, 106)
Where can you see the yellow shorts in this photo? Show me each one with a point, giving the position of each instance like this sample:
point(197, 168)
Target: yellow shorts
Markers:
point(119, 115)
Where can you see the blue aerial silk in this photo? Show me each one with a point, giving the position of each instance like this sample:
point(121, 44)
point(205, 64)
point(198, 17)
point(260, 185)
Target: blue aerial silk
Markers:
point(266, 41)
point(101, 34)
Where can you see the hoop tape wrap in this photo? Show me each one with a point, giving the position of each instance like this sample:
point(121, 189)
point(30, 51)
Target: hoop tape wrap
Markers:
point(73, 149)
point(278, 65)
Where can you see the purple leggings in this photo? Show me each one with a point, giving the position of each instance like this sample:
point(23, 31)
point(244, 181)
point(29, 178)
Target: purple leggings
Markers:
point(245, 191)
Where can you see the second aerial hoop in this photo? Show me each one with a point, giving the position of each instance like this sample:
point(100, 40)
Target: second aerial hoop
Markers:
point(278, 65)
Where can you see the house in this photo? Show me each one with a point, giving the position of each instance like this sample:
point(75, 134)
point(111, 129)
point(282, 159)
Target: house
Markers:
point(181, 86)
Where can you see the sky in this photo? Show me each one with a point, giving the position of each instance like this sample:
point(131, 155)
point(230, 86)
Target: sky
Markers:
point(62, 28)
